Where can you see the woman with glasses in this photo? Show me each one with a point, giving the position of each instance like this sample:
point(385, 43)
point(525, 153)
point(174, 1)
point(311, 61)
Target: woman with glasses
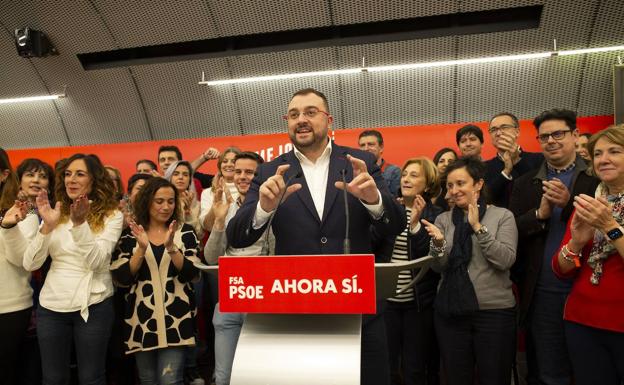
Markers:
point(592, 256)
point(154, 259)
point(79, 233)
point(475, 246)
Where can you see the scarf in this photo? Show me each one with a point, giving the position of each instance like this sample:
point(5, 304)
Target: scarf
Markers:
point(602, 248)
point(457, 295)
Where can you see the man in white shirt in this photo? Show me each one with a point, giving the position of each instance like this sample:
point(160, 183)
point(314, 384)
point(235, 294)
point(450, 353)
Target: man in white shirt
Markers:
point(311, 218)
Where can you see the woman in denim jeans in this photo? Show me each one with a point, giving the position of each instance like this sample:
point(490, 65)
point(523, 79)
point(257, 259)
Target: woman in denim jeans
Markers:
point(79, 234)
point(154, 258)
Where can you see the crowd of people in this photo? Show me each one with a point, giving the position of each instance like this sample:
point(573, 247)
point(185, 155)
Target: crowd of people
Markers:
point(106, 285)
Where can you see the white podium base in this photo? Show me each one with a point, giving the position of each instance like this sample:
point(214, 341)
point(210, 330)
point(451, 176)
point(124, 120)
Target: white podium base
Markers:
point(298, 349)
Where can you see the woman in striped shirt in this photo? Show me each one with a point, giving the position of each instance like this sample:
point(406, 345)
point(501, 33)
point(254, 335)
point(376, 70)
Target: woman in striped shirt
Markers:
point(409, 314)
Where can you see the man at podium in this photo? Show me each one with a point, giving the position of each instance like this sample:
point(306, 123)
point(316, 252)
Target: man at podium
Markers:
point(300, 194)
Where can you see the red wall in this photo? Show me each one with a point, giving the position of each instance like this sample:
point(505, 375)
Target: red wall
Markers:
point(400, 143)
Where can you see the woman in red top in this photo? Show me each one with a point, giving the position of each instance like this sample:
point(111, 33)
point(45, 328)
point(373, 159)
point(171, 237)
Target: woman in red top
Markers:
point(592, 254)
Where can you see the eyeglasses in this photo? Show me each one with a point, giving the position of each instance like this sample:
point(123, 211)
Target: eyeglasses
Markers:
point(556, 135)
point(308, 113)
point(502, 127)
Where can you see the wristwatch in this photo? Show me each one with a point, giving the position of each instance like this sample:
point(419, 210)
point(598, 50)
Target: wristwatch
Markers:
point(482, 230)
point(615, 233)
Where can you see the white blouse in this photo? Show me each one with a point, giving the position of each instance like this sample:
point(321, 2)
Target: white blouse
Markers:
point(79, 275)
point(15, 290)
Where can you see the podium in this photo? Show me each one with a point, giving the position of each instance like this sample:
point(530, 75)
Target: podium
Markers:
point(308, 348)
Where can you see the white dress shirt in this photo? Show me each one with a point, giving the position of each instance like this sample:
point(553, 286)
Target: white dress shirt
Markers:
point(316, 175)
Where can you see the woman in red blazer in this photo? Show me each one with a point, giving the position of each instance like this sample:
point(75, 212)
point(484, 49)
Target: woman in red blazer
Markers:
point(592, 254)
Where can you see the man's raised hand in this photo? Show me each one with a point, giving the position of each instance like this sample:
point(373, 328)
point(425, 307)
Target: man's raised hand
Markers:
point(363, 185)
point(272, 189)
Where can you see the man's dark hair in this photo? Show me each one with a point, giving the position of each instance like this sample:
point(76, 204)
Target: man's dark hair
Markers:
point(135, 178)
point(469, 129)
point(171, 148)
point(568, 116)
point(512, 116)
point(249, 155)
point(307, 91)
point(374, 133)
point(152, 164)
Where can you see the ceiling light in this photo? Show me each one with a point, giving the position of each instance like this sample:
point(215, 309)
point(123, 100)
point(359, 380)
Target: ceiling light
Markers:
point(446, 63)
point(31, 99)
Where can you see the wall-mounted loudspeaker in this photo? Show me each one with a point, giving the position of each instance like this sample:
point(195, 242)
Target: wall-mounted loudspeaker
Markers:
point(33, 43)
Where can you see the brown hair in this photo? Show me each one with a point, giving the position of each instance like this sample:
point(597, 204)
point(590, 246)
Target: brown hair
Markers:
point(103, 202)
point(228, 150)
point(119, 192)
point(10, 186)
point(144, 199)
point(430, 172)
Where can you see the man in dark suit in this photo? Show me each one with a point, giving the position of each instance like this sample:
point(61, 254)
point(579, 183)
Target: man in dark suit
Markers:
point(542, 202)
point(311, 219)
point(510, 161)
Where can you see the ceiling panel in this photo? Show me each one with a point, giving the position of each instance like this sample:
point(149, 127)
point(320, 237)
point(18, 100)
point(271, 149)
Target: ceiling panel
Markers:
point(524, 88)
point(141, 23)
point(244, 17)
point(362, 11)
point(596, 97)
point(609, 28)
point(178, 107)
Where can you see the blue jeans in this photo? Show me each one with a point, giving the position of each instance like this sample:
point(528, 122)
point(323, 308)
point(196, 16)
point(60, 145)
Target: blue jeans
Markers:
point(227, 329)
point(161, 366)
point(55, 332)
point(547, 352)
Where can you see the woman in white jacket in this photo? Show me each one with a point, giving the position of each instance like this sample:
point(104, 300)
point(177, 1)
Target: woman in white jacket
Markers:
point(79, 233)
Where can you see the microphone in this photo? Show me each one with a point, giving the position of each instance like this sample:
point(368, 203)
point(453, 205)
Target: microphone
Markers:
point(346, 244)
point(297, 175)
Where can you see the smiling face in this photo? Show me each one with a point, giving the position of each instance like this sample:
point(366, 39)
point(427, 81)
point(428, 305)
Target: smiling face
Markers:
point(502, 125)
point(609, 163)
point(470, 145)
point(308, 132)
point(446, 159)
point(244, 171)
point(33, 181)
point(413, 181)
point(162, 206)
point(581, 147)
point(181, 177)
point(77, 179)
point(558, 152)
point(462, 187)
point(227, 166)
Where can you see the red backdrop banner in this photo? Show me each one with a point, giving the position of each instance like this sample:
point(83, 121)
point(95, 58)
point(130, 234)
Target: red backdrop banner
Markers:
point(400, 143)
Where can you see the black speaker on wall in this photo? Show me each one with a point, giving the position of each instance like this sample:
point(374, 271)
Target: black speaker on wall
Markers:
point(618, 93)
point(32, 43)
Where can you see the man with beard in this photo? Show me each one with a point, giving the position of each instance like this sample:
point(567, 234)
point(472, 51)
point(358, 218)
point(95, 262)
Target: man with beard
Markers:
point(542, 202)
point(469, 139)
point(311, 219)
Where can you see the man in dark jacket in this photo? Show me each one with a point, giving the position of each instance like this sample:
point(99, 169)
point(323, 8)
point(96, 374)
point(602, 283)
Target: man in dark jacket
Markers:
point(510, 161)
point(541, 201)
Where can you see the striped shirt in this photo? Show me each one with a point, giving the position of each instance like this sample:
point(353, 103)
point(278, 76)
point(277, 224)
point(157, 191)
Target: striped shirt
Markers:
point(400, 253)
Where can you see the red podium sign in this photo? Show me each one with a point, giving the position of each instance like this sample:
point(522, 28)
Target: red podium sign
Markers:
point(310, 284)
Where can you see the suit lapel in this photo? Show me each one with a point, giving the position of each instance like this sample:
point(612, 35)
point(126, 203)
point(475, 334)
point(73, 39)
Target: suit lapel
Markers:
point(337, 162)
point(304, 193)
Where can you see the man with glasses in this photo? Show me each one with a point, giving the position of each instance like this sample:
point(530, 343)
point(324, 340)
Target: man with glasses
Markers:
point(542, 202)
point(311, 218)
point(510, 161)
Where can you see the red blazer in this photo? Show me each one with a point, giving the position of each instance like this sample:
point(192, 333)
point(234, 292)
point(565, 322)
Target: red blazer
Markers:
point(600, 306)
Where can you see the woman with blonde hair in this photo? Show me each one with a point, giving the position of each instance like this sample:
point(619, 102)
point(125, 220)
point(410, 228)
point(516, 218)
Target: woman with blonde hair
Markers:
point(79, 234)
point(592, 256)
point(409, 314)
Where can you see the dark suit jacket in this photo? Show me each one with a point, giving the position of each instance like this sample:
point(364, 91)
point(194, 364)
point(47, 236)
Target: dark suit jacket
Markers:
point(296, 225)
point(525, 199)
point(499, 187)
